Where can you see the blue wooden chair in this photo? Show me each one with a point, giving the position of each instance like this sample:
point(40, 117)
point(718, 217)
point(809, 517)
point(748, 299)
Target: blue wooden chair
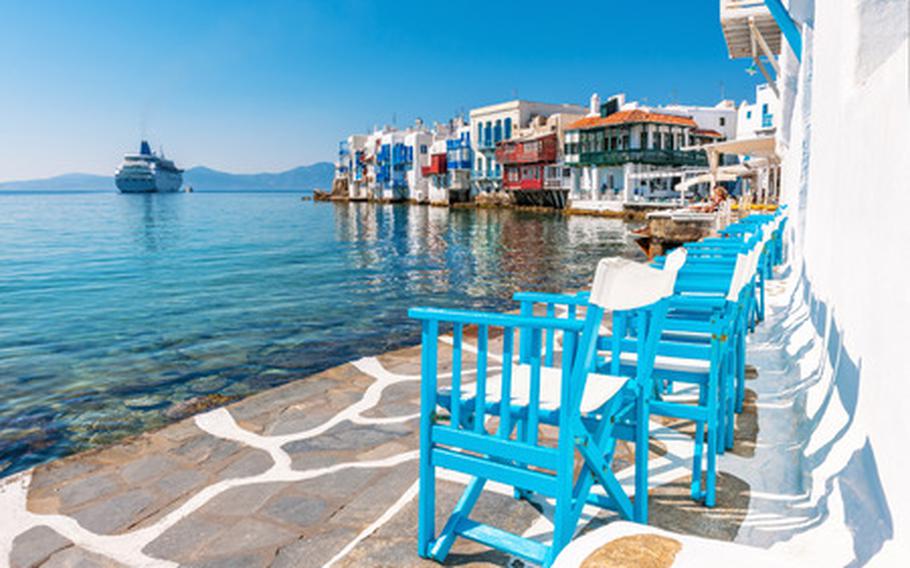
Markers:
point(702, 345)
point(491, 429)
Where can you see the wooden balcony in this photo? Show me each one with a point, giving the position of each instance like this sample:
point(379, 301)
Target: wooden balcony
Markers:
point(437, 166)
point(739, 17)
point(539, 150)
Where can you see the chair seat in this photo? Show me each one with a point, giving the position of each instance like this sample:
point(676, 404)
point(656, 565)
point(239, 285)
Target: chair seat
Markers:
point(665, 362)
point(599, 388)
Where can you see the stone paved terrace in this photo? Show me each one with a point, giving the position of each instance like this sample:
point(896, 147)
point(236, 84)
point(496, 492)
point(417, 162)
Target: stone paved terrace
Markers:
point(320, 471)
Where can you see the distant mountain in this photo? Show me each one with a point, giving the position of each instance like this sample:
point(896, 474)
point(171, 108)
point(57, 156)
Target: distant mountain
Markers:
point(318, 175)
point(75, 182)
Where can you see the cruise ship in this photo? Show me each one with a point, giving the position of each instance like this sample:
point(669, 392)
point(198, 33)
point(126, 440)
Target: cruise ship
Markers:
point(147, 172)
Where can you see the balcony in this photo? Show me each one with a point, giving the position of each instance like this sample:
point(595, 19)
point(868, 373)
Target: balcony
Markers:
point(486, 143)
point(488, 174)
point(738, 18)
point(555, 183)
point(528, 184)
point(529, 151)
point(437, 166)
point(459, 164)
point(639, 156)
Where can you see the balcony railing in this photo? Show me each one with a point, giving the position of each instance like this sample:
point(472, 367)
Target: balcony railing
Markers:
point(523, 184)
point(459, 164)
point(555, 183)
point(639, 156)
point(767, 120)
point(541, 150)
point(437, 166)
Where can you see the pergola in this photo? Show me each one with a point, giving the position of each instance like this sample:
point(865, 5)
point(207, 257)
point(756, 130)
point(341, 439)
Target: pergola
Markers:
point(761, 157)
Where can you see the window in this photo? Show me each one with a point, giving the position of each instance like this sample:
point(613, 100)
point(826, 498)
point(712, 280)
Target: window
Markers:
point(723, 121)
point(479, 132)
point(480, 165)
point(497, 131)
point(764, 108)
point(748, 114)
point(508, 124)
point(644, 140)
point(423, 148)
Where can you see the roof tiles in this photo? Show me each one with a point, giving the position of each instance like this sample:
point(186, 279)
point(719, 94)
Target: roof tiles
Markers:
point(634, 116)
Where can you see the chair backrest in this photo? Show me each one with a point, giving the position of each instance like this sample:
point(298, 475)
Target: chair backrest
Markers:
point(621, 284)
point(628, 288)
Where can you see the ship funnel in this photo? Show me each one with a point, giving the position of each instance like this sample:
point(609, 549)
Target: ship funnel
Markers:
point(145, 149)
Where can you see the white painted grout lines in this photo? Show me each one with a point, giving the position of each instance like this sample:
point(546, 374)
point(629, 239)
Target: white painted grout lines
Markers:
point(127, 548)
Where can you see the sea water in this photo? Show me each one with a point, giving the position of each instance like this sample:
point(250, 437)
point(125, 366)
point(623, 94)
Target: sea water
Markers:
point(120, 313)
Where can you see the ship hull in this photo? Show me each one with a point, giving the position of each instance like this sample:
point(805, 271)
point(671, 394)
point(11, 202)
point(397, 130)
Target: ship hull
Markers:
point(159, 182)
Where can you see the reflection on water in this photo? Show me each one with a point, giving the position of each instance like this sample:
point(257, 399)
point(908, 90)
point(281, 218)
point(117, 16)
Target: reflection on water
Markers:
point(120, 313)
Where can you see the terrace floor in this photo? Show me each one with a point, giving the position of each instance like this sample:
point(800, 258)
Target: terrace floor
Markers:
point(324, 471)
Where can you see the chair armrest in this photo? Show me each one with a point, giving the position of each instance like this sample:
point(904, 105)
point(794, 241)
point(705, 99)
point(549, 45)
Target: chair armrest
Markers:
point(495, 319)
point(548, 298)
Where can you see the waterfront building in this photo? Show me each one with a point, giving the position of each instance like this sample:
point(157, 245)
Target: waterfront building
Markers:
point(399, 159)
point(496, 123)
point(534, 171)
point(350, 168)
point(720, 120)
point(758, 118)
point(630, 153)
point(448, 172)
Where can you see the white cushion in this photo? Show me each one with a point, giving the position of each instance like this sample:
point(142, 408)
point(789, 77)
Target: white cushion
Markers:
point(621, 284)
point(598, 388)
point(665, 362)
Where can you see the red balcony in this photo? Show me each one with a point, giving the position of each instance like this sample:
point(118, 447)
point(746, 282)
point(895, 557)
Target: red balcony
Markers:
point(437, 166)
point(538, 150)
point(523, 178)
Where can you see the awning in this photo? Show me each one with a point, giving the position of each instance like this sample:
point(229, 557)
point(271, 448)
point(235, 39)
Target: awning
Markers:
point(684, 185)
point(761, 147)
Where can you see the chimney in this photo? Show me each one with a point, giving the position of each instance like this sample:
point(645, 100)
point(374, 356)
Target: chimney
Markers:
point(594, 108)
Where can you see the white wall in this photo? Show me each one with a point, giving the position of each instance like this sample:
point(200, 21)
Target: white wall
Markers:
point(749, 120)
point(847, 180)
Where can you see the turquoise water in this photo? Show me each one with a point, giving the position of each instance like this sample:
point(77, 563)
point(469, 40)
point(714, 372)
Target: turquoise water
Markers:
point(119, 313)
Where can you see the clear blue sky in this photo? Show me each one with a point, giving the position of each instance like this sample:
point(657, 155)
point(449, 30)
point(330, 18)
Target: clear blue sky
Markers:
point(250, 86)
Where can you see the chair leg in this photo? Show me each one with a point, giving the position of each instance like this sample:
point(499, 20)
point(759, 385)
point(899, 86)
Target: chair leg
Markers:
point(461, 511)
point(697, 456)
point(740, 370)
point(712, 439)
point(426, 503)
point(642, 418)
point(730, 400)
point(710, 481)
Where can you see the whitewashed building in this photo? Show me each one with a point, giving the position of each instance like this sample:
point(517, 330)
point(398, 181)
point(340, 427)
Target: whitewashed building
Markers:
point(623, 153)
point(448, 171)
point(493, 124)
point(760, 117)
